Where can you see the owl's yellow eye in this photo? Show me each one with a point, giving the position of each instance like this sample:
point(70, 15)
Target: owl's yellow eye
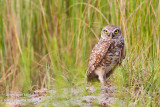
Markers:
point(116, 31)
point(105, 31)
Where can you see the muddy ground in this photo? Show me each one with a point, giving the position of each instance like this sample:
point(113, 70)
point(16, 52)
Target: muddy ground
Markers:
point(64, 97)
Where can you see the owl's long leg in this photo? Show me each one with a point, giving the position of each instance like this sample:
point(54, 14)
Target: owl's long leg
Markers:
point(101, 75)
point(102, 78)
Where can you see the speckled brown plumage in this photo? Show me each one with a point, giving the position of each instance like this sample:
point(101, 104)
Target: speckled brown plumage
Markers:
point(107, 53)
point(98, 53)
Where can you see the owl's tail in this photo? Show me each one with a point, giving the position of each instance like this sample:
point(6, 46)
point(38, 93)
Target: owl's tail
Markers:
point(90, 77)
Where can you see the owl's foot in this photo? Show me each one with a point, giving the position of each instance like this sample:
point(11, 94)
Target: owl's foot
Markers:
point(103, 89)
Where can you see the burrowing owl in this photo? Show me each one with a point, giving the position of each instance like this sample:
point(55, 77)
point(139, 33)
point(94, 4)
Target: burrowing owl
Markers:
point(107, 54)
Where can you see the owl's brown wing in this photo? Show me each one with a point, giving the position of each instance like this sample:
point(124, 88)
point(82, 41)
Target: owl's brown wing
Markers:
point(97, 54)
point(123, 54)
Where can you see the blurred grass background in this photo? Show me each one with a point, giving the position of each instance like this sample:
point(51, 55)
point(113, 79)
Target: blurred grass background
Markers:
point(47, 43)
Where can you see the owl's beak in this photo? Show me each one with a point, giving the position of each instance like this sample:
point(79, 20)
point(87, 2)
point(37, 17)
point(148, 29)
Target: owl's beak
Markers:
point(110, 35)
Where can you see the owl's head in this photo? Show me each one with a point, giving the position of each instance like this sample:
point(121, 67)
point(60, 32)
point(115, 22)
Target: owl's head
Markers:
point(111, 32)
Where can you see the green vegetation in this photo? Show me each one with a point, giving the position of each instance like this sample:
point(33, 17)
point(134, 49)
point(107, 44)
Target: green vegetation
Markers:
point(46, 44)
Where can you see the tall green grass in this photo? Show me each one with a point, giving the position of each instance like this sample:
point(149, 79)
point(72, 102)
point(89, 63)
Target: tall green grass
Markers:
point(46, 44)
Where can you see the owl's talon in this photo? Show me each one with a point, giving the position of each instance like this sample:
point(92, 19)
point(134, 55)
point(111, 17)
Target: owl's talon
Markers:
point(103, 89)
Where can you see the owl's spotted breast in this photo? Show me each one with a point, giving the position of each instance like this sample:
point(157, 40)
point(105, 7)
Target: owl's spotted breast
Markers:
point(113, 55)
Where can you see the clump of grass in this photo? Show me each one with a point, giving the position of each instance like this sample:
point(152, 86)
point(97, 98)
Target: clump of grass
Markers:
point(46, 44)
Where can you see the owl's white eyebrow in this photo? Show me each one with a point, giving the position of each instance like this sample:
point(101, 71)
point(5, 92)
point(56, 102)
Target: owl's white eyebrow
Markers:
point(106, 29)
point(116, 29)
